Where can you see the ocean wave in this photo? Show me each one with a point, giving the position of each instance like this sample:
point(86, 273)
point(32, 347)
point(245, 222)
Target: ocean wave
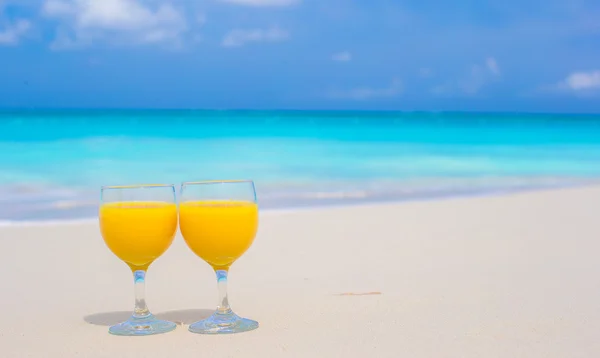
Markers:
point(20, 223)
point(283, 196)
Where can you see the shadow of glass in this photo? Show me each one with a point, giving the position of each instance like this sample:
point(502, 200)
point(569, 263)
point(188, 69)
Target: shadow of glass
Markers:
point(179, 317)
point(107, 318)
point(188, 316)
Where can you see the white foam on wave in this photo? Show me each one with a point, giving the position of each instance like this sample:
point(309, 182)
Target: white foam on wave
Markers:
point(282, 201)
point(21, 223)
point(93, 220)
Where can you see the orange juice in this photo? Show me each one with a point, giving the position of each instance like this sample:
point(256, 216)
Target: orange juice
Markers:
point(218, 231)
point(138, 232)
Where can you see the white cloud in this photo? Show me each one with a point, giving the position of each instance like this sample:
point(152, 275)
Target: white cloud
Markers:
point(492, 66)
point(114, 21)
point(425, 72)
point(201, 19)
point(579, 81)
point(263, 3)
point(366, 93)
point(13, 32)
point(239, 37)
point(440, 89)
point(470, 84)
point(343, 56)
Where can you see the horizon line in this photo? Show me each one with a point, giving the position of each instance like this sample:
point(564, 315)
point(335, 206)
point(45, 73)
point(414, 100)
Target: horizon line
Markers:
point(390, 111)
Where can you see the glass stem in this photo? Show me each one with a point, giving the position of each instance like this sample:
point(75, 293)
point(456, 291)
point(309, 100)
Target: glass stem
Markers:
point(141, 310)
point(223, 307)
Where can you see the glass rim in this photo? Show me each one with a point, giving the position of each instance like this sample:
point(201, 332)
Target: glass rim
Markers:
point(227, 181)
point(137, 186)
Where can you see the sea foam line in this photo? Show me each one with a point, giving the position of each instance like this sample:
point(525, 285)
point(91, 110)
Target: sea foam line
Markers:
point(21, 223)
point(319, 205)
point(93, 220)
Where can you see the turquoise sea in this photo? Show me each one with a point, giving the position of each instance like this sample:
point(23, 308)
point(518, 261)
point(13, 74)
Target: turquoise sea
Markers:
point(52, 163)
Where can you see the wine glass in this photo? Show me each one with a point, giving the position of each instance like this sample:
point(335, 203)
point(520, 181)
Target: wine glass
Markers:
point(218, 221)
point(138, 224)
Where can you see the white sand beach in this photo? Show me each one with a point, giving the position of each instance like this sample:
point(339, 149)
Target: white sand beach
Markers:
point(508, 276)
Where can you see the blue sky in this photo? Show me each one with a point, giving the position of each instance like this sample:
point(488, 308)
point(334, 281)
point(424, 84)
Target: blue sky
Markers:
point(503, 55)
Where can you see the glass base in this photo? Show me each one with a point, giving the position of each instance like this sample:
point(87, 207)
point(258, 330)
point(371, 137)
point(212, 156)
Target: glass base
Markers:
point(142, 326)
point(223, 323)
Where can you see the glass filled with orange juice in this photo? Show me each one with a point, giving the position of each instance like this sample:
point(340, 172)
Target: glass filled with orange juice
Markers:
point(218, 221)
point(138, 224)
